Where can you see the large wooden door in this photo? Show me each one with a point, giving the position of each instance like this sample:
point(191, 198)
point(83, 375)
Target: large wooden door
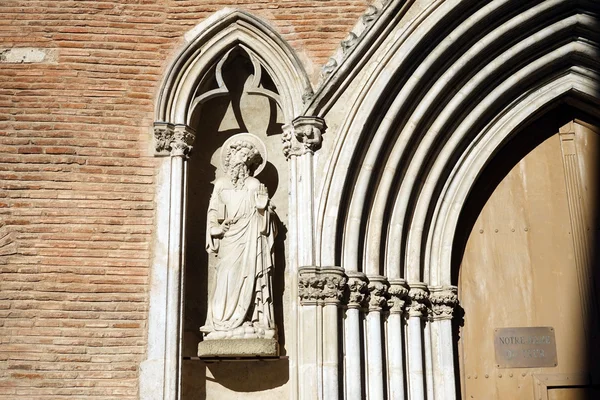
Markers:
point(528, 263)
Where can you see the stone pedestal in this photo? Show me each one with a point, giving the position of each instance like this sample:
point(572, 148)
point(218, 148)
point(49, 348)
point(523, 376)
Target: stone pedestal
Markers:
point(238, 348)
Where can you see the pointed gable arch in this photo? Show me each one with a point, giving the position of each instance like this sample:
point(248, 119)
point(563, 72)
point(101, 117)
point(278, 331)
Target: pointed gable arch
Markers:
point(211, 40)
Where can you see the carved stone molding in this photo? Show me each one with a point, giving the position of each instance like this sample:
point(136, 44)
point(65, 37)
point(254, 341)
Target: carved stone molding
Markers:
point(349, 42)
point(418, 296)
point(378, 293)
point(444, 300)
point(370, 15)
point(357, 290)
point(356, 35)
point(321, 285)
point(398, 292)
point(286, 139)
point(174, 140)
point(303, 136)
point(328, 68)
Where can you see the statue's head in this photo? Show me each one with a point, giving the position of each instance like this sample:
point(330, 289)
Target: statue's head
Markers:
point(242, 152)
point(243, 155)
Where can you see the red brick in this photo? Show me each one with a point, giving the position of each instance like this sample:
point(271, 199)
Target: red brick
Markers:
point(77, 179)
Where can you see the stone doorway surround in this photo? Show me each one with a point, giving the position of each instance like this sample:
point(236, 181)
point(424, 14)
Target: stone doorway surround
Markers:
point(417, 101)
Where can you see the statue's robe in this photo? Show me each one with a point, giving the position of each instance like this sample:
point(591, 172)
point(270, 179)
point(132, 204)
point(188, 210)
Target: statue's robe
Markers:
point(241, 290)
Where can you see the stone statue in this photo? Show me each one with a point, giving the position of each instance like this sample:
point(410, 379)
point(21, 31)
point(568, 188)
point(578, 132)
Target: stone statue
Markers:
point(241, 232)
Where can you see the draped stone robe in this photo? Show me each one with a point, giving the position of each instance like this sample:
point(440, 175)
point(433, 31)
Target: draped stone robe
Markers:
point(241, 291)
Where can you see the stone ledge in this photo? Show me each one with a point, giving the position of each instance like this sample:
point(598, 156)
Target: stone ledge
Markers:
point(238, 348)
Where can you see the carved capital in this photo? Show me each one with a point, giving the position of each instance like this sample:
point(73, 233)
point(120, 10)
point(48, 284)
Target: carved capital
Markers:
point(310, 287)
point(398, 292)
point(444, 300)
point(358, 291)
point(418, 296)
point(303, 136)
point(335, 283)
point(176, 140)
point(321, 285)
point(378, 292)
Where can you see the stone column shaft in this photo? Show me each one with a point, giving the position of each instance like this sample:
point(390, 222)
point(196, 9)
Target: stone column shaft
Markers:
point(443, 299)
point(330, 351)
point(320, 291)
point(395, 342)
point(375, 378)
point(417, 310)
point(301, 138)
point(177, 141)
point(357, 294)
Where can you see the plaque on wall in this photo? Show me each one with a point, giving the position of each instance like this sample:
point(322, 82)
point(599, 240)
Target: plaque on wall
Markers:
point(525, 347)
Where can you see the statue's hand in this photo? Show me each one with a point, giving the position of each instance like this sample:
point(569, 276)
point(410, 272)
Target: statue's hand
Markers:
point(220, 230)
point(262, 197)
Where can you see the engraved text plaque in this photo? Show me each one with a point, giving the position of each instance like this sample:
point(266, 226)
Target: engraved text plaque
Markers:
point(525, 347)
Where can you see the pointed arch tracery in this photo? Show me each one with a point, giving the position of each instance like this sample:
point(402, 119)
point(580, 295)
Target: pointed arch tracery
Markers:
point(208, 45)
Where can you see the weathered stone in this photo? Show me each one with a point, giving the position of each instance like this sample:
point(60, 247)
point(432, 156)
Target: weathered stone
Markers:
point(238, 348)
point(26, 55)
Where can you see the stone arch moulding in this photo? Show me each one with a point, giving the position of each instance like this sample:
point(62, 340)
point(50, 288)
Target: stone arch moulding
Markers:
point(210, 40)
point(449, 90)
point(205, 45)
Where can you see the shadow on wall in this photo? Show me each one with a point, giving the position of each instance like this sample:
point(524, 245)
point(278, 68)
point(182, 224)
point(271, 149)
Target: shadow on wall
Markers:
point(232, 377)
point(527, 139)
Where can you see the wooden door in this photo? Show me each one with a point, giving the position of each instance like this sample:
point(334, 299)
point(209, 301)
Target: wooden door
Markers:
point(528, 263)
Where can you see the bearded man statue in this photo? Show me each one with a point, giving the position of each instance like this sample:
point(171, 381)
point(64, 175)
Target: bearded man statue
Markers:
point(241, 232)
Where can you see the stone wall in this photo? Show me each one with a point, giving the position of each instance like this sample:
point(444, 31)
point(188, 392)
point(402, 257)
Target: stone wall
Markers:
point(78, 82)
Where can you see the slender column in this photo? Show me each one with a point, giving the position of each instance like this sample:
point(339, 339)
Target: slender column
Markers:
point(417, 309)
point(377, 299)
point(301, 139)
point(335, 283)
point(178, 141)
point(444, 300)
point(357, 294)
point(320, 292)
point(310, 288)
point(395, 344)
point(292, 269)
point(428, 355)
point(305, 210)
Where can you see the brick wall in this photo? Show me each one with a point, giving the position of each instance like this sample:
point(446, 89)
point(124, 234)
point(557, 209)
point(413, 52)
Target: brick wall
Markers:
point(77, 179)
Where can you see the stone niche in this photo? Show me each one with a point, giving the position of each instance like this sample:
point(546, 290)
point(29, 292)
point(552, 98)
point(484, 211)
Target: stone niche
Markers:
point(236, 96)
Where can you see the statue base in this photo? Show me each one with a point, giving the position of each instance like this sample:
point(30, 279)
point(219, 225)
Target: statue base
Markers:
point(238, 348)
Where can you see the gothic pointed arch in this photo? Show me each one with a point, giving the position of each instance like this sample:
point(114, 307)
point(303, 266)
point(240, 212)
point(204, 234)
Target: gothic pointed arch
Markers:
point(430, 98)
point(442, 95)
point(209, 42)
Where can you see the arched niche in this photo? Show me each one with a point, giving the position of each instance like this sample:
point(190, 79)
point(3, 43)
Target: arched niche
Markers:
point(236, 96)
point(233, 74)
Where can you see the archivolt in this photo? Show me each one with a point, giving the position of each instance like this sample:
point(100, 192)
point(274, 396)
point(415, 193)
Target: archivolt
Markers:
point(476, 71)
point(211, 40)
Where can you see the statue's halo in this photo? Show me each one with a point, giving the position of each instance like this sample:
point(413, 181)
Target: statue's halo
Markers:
point(247, 137)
